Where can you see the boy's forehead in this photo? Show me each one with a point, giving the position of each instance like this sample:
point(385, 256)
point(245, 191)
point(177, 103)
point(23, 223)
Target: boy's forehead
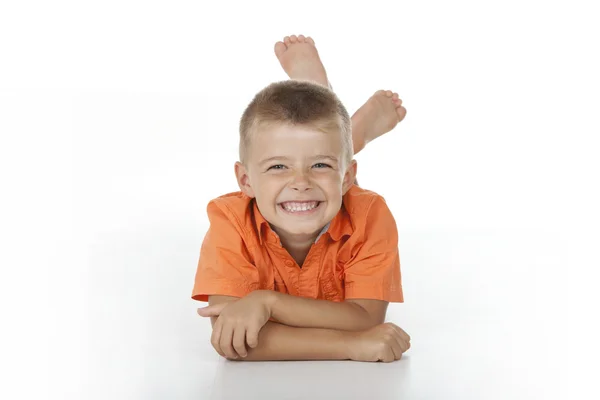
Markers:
point(285, 132)
point(285, 138)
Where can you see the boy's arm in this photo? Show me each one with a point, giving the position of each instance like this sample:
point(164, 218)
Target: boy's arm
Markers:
point(280, 342)
point(385, 342)
point(349, 315)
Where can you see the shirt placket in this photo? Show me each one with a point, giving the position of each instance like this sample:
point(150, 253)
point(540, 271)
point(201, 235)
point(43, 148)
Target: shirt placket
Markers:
point(291, 269)
point(308, 276)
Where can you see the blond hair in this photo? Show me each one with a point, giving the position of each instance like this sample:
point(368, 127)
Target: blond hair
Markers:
point(297, 103)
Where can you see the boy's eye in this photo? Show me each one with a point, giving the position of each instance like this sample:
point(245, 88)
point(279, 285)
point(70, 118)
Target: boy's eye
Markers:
point(317, 165)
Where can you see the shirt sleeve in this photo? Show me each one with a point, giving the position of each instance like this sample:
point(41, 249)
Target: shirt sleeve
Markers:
point(225, 265)
point(374, 271)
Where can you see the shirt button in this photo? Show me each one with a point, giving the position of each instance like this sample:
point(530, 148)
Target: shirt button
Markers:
point(289, 263)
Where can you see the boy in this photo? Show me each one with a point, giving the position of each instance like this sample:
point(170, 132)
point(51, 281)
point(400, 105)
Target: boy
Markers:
point(301, 263)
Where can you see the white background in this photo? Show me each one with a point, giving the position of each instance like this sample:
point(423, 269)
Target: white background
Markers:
point(118, 123)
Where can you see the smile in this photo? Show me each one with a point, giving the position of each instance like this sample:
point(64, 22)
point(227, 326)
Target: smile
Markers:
point(300, 207)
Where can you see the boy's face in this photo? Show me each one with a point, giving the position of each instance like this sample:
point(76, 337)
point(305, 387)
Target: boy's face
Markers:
point(298, 177)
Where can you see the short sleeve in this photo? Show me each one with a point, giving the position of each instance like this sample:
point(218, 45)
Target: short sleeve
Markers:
point(374, 270)
point(225, 266)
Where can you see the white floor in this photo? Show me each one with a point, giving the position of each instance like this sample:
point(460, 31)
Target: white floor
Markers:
point(482, 308)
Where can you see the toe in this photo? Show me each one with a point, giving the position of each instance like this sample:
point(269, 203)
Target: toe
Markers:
point(287, 41)
point(310, 40)
point(301, 38)
point(395, 96)
point(280, 48)
point(388, 93)
point(401, 111)
point(380, 92)
point(293, 39)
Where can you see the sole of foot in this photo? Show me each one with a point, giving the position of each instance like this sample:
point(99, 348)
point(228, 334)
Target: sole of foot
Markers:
point(379, 115)
point(300, 59)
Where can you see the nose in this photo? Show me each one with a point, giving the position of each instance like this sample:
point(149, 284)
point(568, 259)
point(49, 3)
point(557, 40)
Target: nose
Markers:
point(300, 181)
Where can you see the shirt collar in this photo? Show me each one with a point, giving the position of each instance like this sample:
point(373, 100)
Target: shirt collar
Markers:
point(340, 225)
point(337, 228)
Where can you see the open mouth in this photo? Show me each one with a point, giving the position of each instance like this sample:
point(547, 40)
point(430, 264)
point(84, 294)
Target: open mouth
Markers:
point(300, 207)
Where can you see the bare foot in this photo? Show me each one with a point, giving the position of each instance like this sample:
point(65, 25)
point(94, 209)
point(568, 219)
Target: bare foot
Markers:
point(300, 60)
point(379, 115)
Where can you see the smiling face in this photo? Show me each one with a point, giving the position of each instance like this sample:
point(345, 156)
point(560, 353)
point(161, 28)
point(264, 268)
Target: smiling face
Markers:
point(298, 176)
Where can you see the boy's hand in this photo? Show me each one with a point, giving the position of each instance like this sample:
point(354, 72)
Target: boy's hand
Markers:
point(385, 342)
point(239, 323)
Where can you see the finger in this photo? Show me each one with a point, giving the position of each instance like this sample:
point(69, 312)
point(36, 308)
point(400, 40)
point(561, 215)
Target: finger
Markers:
point(388, 355)
point(396, 349)
point(401, 337)
point(226, 341)
point(401, 332)
point(252, 336)
point(216, 337)
point(212, 311)
point(401, 345)
point(406, 335)
point(239, 342)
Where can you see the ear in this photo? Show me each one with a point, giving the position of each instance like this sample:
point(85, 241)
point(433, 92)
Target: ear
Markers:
point(349, 177)
point(243, 179)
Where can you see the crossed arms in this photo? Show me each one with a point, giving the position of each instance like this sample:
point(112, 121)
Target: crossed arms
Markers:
point(304, 329)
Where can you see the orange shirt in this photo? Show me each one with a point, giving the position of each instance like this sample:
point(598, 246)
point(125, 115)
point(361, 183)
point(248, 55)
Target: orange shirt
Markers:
point(355, 258)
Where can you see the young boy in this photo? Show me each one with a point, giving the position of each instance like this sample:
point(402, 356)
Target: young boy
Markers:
point(301, 263)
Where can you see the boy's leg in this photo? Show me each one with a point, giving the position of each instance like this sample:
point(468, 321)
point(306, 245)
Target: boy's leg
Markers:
point(380, 114)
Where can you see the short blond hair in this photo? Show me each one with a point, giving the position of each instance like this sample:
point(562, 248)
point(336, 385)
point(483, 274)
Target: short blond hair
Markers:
point(297, 103)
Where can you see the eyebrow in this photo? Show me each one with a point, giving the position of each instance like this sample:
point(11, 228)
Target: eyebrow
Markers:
point(320, 156)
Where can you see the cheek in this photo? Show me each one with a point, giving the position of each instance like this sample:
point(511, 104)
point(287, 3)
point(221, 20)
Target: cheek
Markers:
point(268, 189)
point(332, 182)
point(328, 175)
point(332, 187)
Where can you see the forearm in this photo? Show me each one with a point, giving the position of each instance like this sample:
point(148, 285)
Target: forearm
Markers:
point(310, 313)
point(281, 342)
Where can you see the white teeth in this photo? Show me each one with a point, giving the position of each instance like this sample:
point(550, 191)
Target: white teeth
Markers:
point(293, 206)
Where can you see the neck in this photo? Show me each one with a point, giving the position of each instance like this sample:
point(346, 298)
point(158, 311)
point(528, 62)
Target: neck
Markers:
point(297, 245)
point(297, 249)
